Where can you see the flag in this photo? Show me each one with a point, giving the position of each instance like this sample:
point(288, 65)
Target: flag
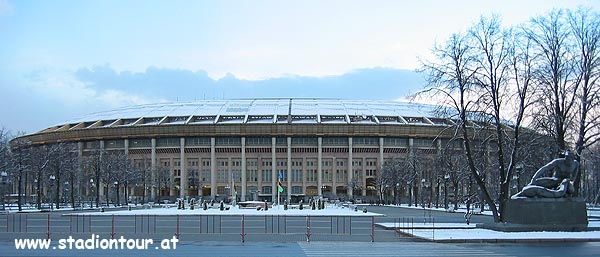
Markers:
point(233, 183)
point(280, 187)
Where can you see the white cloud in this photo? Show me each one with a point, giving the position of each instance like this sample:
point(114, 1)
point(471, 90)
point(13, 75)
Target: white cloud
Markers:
point(63, 87)
point(116, 98)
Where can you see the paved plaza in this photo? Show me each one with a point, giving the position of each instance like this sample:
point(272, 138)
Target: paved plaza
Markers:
point(386, 242)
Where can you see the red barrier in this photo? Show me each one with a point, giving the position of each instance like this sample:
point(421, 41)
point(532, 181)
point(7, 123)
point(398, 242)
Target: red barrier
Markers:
point(177, 233)
point(243, 232)
point(372, 229)
point(307, 228)
point(48, 226)
point(112, 234)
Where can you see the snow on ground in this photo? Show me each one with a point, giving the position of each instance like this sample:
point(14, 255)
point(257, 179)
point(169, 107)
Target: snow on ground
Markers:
point(485, 234)
point(330, 210)
point(441, 232)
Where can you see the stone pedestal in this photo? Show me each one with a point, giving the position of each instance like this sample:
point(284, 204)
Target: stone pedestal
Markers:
point(543, 214)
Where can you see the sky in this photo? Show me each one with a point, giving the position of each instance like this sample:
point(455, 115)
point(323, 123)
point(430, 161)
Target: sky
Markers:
point(62, 59)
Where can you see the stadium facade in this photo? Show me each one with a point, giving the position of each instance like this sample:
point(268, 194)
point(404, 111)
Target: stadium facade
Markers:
point(212, 149)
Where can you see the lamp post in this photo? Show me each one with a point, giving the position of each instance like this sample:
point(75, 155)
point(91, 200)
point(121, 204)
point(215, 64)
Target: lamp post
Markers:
point(52, 178)
point(422, 195)
point(91, 192)
point(409, 193)
point(65, 192)
point(386, 194)
point(397, 193)
point(117, 202)
point(3, 176)
point(37, 191)
point(446, 178)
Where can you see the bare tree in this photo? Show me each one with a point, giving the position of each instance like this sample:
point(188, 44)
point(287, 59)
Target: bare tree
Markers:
point(62, 165)
point(452, 77)
point(390, 176)
point(554, 74)
point(585, 28)
point(40, 160)
point(19, 165)
point(94, 168)
point(5, 163)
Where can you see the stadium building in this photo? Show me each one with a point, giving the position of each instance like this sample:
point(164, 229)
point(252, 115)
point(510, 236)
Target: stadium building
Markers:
point(217, 149)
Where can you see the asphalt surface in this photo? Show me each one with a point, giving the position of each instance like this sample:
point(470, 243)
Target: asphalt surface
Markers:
point(386, 242)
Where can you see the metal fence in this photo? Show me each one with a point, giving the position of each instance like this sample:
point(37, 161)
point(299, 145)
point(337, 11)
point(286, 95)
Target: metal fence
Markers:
point(406, 226)
point(190, 226)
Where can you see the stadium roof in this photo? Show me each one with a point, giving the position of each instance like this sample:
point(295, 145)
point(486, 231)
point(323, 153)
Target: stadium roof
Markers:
point(265, 111)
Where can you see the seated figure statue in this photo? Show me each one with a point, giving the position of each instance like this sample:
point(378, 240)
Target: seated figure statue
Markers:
point(560, 184)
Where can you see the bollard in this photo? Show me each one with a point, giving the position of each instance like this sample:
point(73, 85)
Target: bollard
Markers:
point(243, 234)
point(177, 233)
point(48, 226)
point(112, 234)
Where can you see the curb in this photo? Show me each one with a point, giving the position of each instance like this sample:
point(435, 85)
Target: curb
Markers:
point(524, 240)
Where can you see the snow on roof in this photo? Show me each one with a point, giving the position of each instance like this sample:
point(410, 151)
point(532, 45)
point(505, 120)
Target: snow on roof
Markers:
point(292, 110)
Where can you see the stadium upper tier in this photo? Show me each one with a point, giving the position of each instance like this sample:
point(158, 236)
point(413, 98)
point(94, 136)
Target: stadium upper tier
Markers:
point(259, 111)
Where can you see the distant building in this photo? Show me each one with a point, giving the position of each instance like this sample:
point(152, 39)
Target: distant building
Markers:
point(319, 147)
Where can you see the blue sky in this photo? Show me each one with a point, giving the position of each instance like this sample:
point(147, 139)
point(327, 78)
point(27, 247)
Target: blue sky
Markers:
point(62, 59)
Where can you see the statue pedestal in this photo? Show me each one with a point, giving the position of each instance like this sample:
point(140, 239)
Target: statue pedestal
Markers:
point(543, 214)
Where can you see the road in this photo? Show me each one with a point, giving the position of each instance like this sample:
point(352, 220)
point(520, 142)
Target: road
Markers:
point(387, 243)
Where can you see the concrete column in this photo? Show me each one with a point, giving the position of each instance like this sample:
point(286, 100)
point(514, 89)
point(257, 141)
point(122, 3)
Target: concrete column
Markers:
point(153, 167)
point(244, 175)
point(102, 186)
point(349, 190)
point(304, 176)
point(379, 161)
point(184, 172)
point(83, 183)
point(334, 169)
point(289, 169)
point(213, 169)
point(273, 170)
point(320, 166)
point(126, 150)
point(126, 146)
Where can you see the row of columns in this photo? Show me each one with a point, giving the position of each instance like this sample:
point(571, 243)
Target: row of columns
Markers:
point(274, 179)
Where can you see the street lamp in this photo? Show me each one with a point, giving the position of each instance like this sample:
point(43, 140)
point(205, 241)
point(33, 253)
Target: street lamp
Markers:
point(410, 193)
point(65, 191)
point(37, 191)
point(92, 185)
point(52, 178)
point(446, 178)
point(3, 176)
point(397, 193)
point(116, 183)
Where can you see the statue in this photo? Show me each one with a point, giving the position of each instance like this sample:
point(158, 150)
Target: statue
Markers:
point(560, 184)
